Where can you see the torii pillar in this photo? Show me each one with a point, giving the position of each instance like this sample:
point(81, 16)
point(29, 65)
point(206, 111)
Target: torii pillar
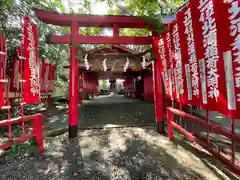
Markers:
point(158, 86)
point(114, 22)
point(73, 84)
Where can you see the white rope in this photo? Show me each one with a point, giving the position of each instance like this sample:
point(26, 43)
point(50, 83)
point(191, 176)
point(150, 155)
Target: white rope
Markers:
point(126, 65)
point(85, 58)
point(87, 65)
point(3, 53)
point(104, 64)
point(23, 103)
point(144, 63)
point(4, 80)
point(21, 57)
point(5, 107)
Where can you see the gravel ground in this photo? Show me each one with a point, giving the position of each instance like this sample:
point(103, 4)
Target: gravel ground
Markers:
point(104, 111)
point(109, 154)
point(137, 153)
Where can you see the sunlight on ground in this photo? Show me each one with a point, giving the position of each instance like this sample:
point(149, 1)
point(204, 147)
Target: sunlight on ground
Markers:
point(114, 143)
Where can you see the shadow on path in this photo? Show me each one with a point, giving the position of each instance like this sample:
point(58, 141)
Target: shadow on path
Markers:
point(124, 154)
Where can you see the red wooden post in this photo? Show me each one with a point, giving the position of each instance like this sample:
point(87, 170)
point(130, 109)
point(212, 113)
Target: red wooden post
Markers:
point(38, 131)
point(73, 94)
point(233, 141)
point(158, 90)
point(115, 30)
point(73, 86)
point(170, 118)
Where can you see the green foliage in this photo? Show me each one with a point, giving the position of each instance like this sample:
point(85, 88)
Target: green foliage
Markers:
point(13, 11)
point(20, 149)
point(104, 84)
point(151, 11)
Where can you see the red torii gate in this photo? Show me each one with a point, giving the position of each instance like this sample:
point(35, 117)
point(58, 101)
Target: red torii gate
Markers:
point(114, 22)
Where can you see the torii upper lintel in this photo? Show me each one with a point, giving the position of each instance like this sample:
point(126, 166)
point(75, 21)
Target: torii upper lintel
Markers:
point(76, 21)
point(84, 20)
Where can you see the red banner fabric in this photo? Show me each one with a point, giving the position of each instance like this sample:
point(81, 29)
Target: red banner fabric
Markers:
point(51, 77)
point(177, 62)
point(3, 55)
point(148, 87)
point(15, 75)
point(41, 70)
point(31, 66)
point(188, 56)
point(170, 63)
point(163, 53)
point(129, 83)
point(205, 35)
point(228, 18)
point(46, 78)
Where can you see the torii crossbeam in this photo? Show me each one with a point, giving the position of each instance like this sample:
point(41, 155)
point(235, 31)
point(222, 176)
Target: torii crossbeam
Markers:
point(115, 22)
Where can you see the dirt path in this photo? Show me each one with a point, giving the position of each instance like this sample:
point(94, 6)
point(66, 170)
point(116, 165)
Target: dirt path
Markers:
point(104, 111)
point(126, 153)
point(136, 153)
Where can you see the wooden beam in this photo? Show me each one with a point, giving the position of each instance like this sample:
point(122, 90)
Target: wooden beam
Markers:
point(84, 20)
point(115, 30)
point(66, 39)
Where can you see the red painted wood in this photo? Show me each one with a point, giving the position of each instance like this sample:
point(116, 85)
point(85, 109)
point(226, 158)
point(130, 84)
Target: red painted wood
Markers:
point(212, 126)
point(37, 122)
point(18, 120)
point(66, 39)
point(62, 19)
point(209, 147)
point(148, 86)
point(115, 30)
point(22, 139)
point(73, 89)
point(157, 83)
point(74, 32)
point(5, 146)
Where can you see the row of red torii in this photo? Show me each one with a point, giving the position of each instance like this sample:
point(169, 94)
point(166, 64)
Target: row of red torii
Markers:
point(74, 39)
point(159, 44)
point(205, 32)
point(27, 75)
point(23, 83)
point(30, 81)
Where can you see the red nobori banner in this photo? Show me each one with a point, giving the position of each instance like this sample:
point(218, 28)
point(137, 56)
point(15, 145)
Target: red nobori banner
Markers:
point(42, 75)
point(15, 75)
point(228, 18)
point(3, 56)
point(31, 64)
point(163, 53)
point(170, 63)
point(205, 36)
point(51, 77)
point(177, 61)
point(46, 78)
point(188, 57)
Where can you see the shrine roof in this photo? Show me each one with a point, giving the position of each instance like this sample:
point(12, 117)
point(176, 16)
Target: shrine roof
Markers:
point(86, 20)
point(114, 50)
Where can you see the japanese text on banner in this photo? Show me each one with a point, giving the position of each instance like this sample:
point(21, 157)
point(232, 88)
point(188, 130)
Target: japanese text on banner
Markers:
point(172, 87)
point(231, 54)
point(192, 72)
point(178, 61)
point(31, 67)
point(162, 53)
point(15, 75)
point(209, 33)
